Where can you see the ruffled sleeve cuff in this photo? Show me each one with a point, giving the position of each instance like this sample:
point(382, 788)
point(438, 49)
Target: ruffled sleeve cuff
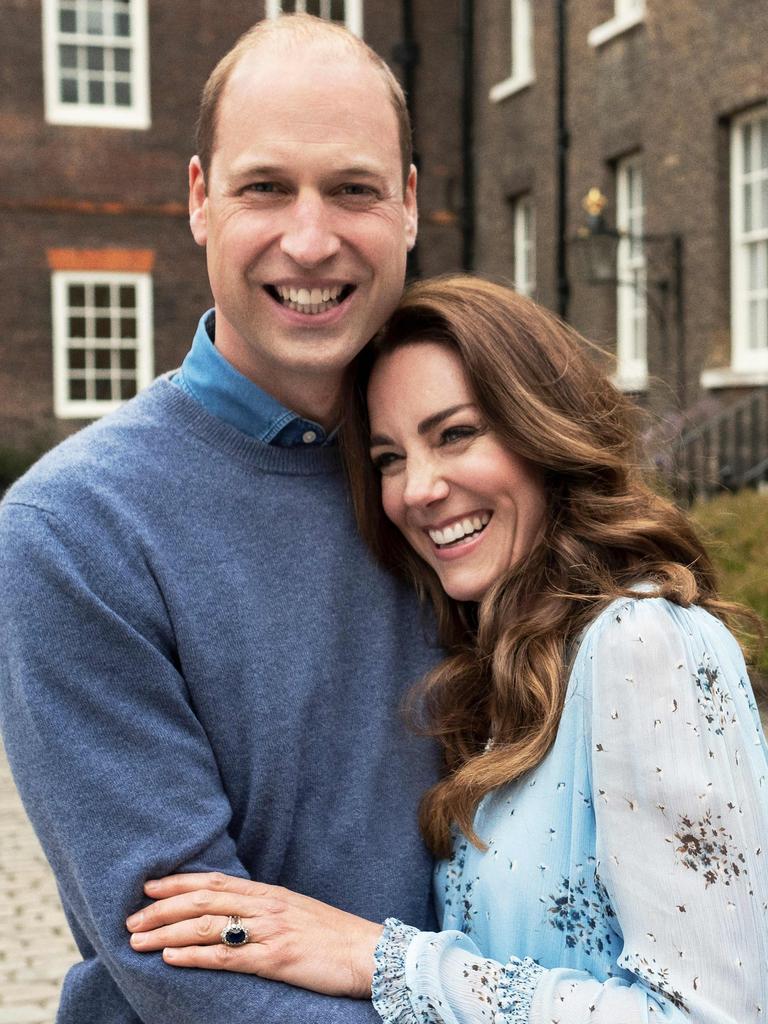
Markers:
point(517, 985)
point(389, 990)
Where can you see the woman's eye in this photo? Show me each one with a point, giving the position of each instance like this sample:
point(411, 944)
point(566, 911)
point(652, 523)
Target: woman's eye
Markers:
point(453, 434)
point(384, 461)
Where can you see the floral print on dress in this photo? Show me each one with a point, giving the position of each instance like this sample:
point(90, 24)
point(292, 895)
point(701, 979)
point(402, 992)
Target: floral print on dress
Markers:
point(629, 883)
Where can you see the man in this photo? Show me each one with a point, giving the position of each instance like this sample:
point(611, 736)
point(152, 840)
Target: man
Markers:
point(200, 665)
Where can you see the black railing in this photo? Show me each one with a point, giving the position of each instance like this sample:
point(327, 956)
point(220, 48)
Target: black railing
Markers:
point(728, 451)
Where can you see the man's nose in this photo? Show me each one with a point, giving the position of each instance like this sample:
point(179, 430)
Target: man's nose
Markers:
point(309, 237)
point(424, 484)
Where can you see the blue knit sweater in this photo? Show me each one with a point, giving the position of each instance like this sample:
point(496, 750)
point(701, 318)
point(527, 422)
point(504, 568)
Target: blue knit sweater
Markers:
point(200, 668)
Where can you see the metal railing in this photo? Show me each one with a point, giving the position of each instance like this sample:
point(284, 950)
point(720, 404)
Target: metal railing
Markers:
point(728, 451)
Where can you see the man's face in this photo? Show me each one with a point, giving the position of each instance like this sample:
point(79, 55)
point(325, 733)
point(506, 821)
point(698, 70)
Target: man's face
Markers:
point(305, 219)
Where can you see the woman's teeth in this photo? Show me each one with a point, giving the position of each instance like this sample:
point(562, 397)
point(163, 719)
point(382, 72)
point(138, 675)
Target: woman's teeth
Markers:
point(310, 300)
point(460, 529)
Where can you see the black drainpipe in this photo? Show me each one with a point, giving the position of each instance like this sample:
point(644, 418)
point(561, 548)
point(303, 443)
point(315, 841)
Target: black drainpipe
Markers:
point(563, 143)
point(467, 29)
point(406, 54)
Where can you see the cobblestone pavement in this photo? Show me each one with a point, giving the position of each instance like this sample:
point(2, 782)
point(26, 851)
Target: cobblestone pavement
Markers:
point(30, 975)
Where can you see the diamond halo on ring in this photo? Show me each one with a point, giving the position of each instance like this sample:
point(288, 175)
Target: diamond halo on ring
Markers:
point(234, 932)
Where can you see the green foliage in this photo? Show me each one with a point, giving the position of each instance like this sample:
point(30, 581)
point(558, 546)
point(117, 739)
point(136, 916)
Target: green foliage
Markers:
point(735, 527)
point(14, 462)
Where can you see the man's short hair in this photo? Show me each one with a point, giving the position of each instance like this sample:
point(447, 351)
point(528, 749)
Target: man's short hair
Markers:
point(290, 28)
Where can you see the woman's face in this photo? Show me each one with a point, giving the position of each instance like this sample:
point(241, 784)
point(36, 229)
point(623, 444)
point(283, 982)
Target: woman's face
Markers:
point(468, 506)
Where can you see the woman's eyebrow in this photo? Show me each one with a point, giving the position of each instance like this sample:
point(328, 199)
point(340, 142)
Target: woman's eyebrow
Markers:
point(426, 425)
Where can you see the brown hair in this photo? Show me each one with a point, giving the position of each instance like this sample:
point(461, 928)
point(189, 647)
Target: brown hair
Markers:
point(295, 28)
point(506, 671)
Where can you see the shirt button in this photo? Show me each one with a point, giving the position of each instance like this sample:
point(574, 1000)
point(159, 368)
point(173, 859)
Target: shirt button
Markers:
point(309, 436)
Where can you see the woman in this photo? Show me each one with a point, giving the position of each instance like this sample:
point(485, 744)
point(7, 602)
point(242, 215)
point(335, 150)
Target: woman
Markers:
point(602, 818)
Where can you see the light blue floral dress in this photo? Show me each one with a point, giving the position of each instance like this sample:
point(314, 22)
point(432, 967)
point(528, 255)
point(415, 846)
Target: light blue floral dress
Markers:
point(626, 876)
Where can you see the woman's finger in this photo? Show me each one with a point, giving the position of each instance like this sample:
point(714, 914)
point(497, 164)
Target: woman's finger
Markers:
point(200, 931)
point(197, 904)
point(215, 881)
point(243, 959)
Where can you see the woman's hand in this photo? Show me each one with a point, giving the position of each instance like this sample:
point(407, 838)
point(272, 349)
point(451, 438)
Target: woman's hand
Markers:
point(292, 938)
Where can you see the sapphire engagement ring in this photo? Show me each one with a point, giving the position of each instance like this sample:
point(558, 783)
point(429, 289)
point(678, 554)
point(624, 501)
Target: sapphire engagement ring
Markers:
point(234, 933)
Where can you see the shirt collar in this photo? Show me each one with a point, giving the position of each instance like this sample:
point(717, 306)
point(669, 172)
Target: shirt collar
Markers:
point(225, 392)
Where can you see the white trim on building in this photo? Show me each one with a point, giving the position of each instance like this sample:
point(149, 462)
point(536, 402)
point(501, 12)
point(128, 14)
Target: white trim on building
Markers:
point(96, 63)
point(524, 215)
point(102, 340)
point(350, 12)
point(626, 14)
point(631, 275)
point(521, 72)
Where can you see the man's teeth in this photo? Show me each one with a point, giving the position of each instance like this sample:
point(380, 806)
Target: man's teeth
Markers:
point(310, 300)
point(461, 528)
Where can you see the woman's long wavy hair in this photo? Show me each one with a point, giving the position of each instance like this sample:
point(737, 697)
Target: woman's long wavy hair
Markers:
point(540, 391)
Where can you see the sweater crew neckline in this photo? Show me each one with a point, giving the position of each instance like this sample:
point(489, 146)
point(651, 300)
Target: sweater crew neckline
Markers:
point(166, 399)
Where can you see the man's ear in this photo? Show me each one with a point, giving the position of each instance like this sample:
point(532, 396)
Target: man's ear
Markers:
point(198, 202)
point(411, 209)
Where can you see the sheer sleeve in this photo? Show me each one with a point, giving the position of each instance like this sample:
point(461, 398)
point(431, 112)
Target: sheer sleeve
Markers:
point(680, 793)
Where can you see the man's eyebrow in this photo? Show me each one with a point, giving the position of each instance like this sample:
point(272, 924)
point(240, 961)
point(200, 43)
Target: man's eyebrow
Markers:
point(278, 170)
point(426, 425)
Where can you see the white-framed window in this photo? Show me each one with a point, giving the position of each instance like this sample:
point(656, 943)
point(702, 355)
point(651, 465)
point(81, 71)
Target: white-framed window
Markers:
point(749, 241)
point(524, 217)
point(521, 70)
point(346, 12)
point(631, 275)
point(96, 63)
point(102, 340)
point(626, 14)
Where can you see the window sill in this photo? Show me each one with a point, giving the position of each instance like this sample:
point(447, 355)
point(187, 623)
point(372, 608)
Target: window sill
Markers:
point(509, 87)
point(98, 117)
point(631, 385)
point(727, 377)
point(615, 27)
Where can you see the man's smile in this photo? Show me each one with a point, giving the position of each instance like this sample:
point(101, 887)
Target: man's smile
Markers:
point(310, 300)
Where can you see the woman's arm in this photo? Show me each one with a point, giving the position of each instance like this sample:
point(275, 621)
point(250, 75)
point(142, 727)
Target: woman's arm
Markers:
point(680, 787)
point(291, 938)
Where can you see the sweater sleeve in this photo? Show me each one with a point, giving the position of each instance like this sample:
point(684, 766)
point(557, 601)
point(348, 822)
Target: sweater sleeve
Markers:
point(115, 770)
point(680, 791)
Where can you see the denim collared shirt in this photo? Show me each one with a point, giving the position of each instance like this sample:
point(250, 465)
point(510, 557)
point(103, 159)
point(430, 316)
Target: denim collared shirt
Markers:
point(221, 389)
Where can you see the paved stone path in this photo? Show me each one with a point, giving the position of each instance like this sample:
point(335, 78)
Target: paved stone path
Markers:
point(30, 975)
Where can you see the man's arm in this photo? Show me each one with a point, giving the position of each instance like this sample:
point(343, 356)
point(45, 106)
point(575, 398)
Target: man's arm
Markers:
point(114, 768)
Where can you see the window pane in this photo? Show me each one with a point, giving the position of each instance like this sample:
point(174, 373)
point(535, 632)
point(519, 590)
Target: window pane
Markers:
point(77, 327)
point(747, 207)
point(67, 22)
point(127, 387)
point(122, 24)
point(102, 358)
point(76, 358)
point(96, 91)
point(127, 327)
point(101, 296)
point(68, 56)
point(95, 58)
point(103, 390)
point(127, 358)
point(764, 203)
point(127, 296)
point(77, 390)
point(76, 295)
point(337, 10)
point(122, 59)
point(94, 22)
point(746, 138)
point(764, 146)
point(122, 94)
point(69, 90)
point(103, 327)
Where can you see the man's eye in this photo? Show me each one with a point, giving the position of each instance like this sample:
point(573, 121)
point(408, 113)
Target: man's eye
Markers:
point(384, 461)
point(261, 186)
point(357, 190)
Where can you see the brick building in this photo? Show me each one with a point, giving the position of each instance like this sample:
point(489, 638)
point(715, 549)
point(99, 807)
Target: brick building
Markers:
point(102, 283)
point(520, 109)
point(664, 109)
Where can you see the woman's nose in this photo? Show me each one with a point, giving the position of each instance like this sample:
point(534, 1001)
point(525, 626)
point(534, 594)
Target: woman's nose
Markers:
point(424, 485)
